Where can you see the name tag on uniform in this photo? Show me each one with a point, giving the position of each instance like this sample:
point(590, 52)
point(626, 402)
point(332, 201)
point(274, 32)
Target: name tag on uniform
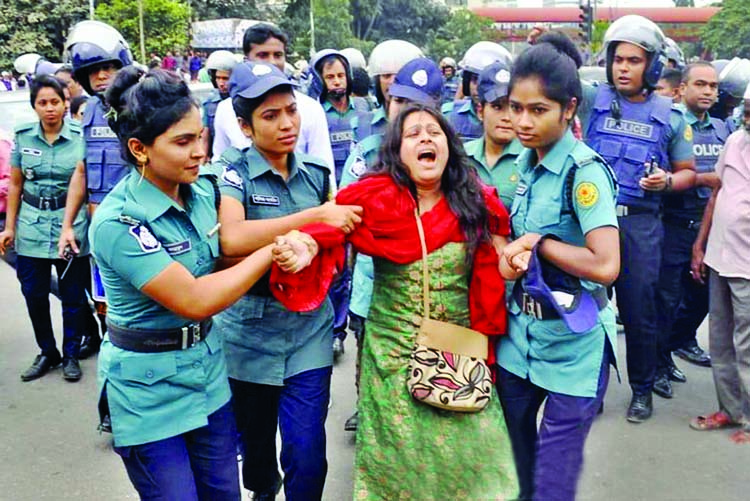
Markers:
point(178, 248)
point(102, 132)
point(31, 151)
point(265, 199)
point(521, 189)
point(340, 137)
point(628, 128)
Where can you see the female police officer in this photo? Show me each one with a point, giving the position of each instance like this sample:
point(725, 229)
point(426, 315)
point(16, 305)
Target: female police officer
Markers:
point(279, 361)
point(155, 240)
point(564, 211)
point(46, 154)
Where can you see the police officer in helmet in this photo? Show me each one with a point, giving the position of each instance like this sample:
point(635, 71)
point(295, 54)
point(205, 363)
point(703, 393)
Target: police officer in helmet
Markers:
point(649, 145)
point(219, 66)
point(451, 78)
point(683, 302)
point(333, 71)
point(96, 52)
point(733, 79)
point(386, 59)
point(462, 114)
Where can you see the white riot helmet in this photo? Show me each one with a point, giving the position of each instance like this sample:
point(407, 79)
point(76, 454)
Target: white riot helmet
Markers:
point(355, 57)
point(482, 54)
point(390, 56)
point(26, 63)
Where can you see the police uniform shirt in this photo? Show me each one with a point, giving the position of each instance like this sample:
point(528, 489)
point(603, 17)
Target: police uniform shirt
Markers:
point(463, 117)
point(540, 349)
point(265, 342)
point(680, 134)
point(47, 169)
point(313, 133)
point(363, 157)
point(153, 396)
point(365, 146)
point(212, 101)
point(675, 203)
point(504, 174)
point(340, 131)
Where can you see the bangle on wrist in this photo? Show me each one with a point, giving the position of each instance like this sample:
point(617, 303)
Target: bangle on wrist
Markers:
point(668, 184)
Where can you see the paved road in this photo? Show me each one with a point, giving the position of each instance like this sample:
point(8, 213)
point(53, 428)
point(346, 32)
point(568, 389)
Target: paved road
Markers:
point(49, 449)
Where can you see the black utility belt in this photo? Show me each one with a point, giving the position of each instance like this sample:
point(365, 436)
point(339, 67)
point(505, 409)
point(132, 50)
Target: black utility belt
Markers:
point(542, 311)
point(45, 203)
point(630, 210)
point(690, 224)
point(158, 340)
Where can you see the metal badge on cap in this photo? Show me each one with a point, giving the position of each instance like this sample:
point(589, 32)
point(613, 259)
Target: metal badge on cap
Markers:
point(502, 76)
point(419, 77)
point(260, 69)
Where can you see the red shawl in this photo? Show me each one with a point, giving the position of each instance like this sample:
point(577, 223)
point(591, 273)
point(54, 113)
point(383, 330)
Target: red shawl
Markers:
point(388, 231)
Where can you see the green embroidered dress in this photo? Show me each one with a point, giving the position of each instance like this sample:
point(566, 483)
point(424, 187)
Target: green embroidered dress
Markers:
point(407, 450)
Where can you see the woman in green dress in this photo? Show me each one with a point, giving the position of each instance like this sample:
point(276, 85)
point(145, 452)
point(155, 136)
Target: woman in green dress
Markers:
point(406, 449)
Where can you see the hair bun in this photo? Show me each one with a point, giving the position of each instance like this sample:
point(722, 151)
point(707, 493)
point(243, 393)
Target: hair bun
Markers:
point(562, 44)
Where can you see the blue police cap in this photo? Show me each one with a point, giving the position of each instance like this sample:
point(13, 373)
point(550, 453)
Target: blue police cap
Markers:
point(493, 82)
point(419, 80)
point(553, 287)
point(251, 79)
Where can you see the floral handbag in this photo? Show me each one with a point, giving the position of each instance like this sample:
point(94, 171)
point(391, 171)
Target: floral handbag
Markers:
point(448, 367)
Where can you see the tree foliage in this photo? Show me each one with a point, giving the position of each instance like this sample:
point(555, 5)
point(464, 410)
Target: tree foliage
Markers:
point(416, 22)
point(463, 29)
point(220, 9)
point(165, 23)
point(39, 26)
point(727, 33)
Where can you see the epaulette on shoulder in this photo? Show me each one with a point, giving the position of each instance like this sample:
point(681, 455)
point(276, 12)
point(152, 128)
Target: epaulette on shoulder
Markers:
point(24, 127)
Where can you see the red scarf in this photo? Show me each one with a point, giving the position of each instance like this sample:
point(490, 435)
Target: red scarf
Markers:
point(388, 230)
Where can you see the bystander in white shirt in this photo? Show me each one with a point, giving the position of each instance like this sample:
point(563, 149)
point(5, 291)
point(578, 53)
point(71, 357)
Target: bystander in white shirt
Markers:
point(313, 138)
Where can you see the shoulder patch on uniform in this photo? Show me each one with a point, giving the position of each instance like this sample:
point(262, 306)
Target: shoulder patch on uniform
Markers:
point(231, 176)
point(587, 194)
point(146, 240)
point(688, 132)
point(358, 167)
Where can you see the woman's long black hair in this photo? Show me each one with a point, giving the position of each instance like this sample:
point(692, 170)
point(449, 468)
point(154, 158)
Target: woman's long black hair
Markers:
point(460, 183)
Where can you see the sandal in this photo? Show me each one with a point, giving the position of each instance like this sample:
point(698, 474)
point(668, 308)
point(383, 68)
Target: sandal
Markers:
point(741, 436)
point(716, 421)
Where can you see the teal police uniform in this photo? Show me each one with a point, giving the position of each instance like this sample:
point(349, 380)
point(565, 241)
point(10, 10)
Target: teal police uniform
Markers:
point(47, 169)
point(136, 233)
point(504, 174)
point(279, 361)
point(363, 157)
point(569, 193)
point(277, 343)
point(545, 351)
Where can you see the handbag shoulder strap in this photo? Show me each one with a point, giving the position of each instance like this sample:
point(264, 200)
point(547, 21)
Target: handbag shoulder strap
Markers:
point(425, 271)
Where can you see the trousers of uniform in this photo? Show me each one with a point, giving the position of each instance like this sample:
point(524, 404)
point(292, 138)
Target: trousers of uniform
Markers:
point(299, 409)
point(682, 302)
point(640, 261)
point(198, 465)
point(548, 460)
point(357, 324)
point(340, 293)
point(34, 275)
point(729, 342)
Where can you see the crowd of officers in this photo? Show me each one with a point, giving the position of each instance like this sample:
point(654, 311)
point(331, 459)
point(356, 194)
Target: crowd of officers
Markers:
point(662, 151)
